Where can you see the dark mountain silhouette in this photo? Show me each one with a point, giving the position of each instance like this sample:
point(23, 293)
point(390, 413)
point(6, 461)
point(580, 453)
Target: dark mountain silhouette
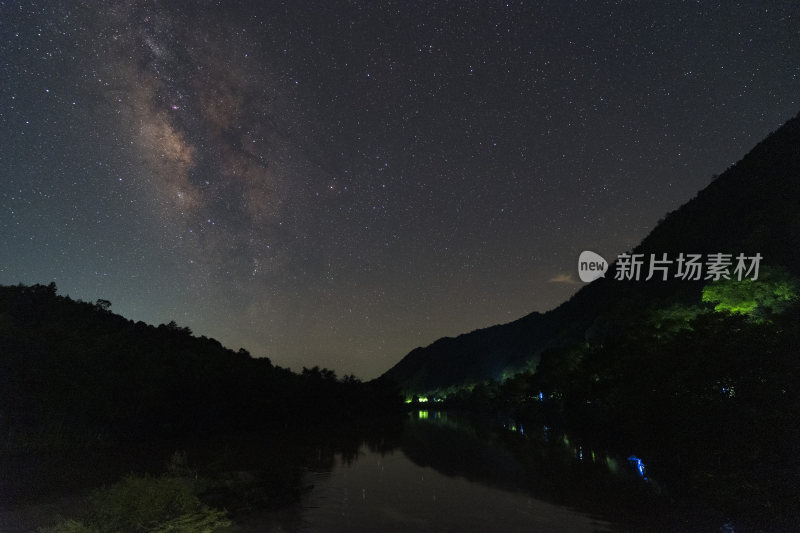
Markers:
point(754, 206)
point(73, 371)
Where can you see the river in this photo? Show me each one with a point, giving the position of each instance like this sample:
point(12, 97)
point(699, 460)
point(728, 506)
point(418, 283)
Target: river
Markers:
point(455, 473)
point(436, 471)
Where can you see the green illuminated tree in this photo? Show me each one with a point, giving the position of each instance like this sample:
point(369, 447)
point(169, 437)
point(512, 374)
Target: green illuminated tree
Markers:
point(770, 294)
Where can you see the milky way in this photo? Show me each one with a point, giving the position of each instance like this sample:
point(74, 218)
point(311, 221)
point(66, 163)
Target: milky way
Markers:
point(336, 183)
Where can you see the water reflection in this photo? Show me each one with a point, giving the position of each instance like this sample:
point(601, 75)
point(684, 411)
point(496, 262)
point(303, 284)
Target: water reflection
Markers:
point(392, 493)
point(453, 473)
point(639, 465)
point(438, 472)
point(636, 464)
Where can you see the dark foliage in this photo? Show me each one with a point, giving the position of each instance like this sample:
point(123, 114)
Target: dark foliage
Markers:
point(711, 405)
point(73, 371)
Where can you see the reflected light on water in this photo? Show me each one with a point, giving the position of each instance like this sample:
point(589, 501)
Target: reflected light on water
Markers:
point(639, 465)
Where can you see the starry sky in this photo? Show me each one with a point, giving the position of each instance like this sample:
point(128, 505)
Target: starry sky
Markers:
point(336, 183)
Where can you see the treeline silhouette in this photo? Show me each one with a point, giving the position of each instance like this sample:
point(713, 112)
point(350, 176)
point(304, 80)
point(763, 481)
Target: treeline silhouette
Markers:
point(708, 396)
point(74, 372)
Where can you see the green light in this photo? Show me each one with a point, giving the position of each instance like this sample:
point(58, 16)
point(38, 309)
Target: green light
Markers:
point(408, 399)
point(612, 464)
point(423, 415)
point(772, 292)
point(423, 399)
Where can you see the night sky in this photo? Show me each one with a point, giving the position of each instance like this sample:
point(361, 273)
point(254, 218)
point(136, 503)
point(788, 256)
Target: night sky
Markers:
point(335, 183)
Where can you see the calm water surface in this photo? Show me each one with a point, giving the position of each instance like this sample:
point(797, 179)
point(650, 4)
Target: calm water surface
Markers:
point(439, 472)
point(451, 474)
point(392, 493)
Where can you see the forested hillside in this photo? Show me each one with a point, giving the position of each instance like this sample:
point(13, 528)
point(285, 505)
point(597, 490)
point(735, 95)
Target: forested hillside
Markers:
point(74, 371)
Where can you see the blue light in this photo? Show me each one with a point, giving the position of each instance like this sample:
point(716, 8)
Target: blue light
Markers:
point(638, 464)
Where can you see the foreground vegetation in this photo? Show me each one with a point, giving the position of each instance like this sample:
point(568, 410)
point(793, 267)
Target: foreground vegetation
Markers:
point(168, 503)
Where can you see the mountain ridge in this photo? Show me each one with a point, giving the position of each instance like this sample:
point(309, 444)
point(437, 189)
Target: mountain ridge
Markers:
point(751, 207)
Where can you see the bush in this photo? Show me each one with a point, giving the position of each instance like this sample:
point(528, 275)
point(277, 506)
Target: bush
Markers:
point(164, 504)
